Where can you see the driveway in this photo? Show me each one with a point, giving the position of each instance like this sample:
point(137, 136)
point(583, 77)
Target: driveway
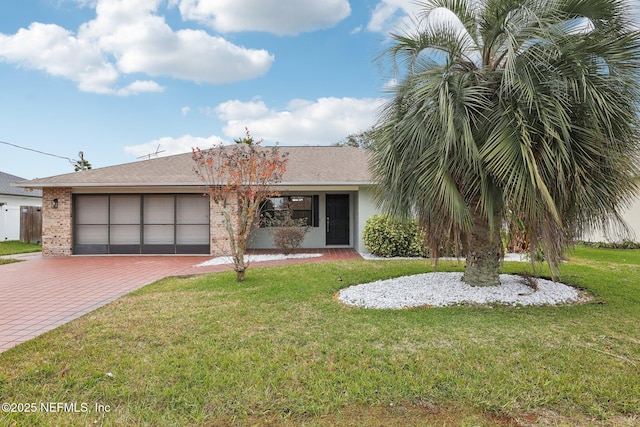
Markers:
point(40, 294)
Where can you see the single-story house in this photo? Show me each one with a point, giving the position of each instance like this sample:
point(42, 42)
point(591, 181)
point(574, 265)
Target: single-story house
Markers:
point(631, 215)
point(157, 206)
point(11, 199)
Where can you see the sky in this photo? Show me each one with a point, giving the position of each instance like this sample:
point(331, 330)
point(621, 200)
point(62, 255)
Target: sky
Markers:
point(123, 79)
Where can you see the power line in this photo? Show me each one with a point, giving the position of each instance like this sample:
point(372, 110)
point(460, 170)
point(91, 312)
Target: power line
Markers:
point(38, 151)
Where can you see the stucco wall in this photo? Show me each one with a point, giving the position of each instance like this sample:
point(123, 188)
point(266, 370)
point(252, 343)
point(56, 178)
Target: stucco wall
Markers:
point(631, 217)
point(366, 208)
point(57, 223)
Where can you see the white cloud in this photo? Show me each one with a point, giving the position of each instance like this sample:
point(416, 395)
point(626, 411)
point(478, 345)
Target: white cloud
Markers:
point(282, 17)
point(55, 50)
point(167, 146)
point(130, 37)
point(230, 110)
point(143, 42)
point(139, 87)
point(185, 110)
point(302, 122)
point(392, 15)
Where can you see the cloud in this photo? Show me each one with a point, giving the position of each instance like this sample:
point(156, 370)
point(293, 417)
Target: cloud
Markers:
point(139, 87)
point(142, 42)
point(55, 50)
point(302, 122)
point(129, 37)
point(168, 146)
point(282, 17)
point(392, 15)
point(231, 110)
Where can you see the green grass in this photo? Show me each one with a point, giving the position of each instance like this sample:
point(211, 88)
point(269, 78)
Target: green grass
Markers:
point(13, 247)
point(277, 349)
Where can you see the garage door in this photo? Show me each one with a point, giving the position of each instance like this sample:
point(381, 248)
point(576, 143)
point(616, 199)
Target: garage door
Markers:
point(141, 224)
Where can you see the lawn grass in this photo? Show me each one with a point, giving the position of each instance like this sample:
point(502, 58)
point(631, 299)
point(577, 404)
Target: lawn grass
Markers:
point(277, 349)
point(12, 247)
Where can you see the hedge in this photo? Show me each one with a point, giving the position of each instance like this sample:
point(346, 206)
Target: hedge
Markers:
point(386, 236)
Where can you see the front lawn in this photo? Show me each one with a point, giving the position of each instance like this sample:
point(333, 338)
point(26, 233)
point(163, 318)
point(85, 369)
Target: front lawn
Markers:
point(277, 349)
point(12, 247)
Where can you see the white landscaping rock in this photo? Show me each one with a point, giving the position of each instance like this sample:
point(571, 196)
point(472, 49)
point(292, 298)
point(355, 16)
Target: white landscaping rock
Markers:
point(443, 289)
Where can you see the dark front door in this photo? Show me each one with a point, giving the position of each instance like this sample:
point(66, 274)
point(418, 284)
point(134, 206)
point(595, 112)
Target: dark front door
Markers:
point(337, 219)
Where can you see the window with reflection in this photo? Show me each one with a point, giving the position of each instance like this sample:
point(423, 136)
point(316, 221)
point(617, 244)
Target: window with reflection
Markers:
point(301, 208)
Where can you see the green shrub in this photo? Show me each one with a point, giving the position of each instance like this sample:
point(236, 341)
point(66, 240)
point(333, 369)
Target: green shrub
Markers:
point(386, 236)
point(625, 244)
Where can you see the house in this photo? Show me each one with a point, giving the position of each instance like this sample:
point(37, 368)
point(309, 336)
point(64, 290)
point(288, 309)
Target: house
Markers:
point(157, 206)
point(11, 199)
point(631, 216)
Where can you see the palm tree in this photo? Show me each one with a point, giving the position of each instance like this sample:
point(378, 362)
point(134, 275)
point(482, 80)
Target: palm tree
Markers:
point(523, 110)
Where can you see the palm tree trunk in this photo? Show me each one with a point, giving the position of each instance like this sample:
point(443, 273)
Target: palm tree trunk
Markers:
point(483, 253)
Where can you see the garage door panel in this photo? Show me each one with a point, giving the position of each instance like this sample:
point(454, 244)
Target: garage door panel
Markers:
point(92, 234)
point(124, 210)
point(124, 235)
point(159, 209)
point(192, 234)
point(92, 210)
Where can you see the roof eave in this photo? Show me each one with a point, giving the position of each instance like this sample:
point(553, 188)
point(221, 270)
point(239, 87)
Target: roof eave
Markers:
point(176, 184)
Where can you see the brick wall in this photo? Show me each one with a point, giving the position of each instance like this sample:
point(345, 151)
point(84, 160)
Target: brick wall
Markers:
point(57, 223)
point(220, 245)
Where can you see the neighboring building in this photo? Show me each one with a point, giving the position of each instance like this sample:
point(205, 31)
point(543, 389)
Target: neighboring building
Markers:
point(157, 206)
point(11, 198)
point(631, 216)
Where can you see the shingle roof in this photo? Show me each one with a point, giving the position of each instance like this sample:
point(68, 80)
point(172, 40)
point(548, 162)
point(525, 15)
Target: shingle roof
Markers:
point(5, 186)
point(323, 165)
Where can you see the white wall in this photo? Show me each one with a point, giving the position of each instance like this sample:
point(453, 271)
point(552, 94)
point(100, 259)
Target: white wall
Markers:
point(366, 208)
point(631, 217)
point(9, 223)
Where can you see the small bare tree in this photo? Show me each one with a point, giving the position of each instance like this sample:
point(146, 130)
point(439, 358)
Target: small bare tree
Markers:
point(238, 178)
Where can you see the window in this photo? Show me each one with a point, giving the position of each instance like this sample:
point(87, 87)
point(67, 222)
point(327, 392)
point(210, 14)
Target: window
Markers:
point(301, 208)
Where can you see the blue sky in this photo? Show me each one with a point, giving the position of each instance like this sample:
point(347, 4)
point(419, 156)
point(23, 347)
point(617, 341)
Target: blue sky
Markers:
point(117, 78)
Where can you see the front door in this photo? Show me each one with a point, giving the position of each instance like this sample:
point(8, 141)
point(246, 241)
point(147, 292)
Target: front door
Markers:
point(337, 220)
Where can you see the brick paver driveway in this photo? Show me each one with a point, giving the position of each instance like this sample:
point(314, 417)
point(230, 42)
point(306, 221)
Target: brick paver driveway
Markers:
point(41, 294)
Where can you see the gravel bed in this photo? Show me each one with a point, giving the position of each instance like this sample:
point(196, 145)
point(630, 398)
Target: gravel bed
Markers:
point(256, 258)
point(443, 289)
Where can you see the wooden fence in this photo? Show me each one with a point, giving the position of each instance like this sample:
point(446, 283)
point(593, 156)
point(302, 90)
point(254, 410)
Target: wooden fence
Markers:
point(30, 224)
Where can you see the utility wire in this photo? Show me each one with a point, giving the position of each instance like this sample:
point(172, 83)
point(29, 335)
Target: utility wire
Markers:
point(38, 151)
